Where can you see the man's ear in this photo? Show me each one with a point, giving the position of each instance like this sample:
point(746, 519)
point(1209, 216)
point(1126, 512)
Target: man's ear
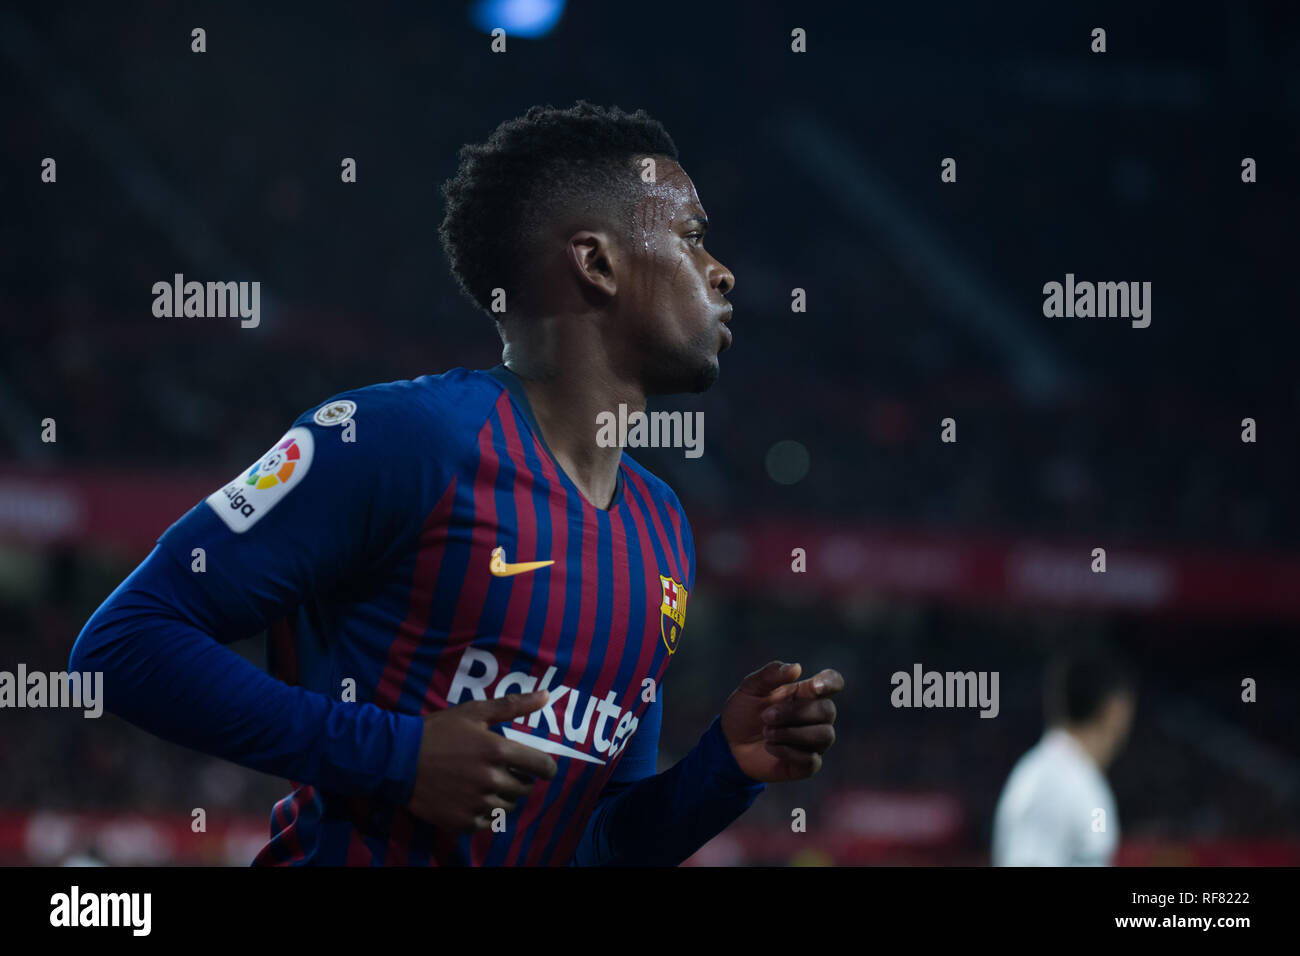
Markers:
point(592, 257)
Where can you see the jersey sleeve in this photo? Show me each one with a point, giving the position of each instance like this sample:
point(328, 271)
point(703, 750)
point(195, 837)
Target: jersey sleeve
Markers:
point(332, 500)
point(662, 820)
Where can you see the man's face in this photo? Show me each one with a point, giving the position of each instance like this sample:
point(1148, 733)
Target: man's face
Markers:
point(673, 294)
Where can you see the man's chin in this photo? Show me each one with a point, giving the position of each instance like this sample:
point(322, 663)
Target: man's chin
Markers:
point(707, 375)
point(685, 380)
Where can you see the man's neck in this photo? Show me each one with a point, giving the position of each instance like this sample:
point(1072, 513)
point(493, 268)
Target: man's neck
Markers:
point(566, 397)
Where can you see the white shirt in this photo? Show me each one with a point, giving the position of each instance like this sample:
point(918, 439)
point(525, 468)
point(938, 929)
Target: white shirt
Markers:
point(1048, 812)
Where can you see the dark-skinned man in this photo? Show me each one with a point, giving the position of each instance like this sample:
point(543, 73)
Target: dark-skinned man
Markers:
point(471, 602)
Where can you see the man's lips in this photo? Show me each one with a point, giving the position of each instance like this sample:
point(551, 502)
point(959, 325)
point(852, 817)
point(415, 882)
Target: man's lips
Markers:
point(723, 319)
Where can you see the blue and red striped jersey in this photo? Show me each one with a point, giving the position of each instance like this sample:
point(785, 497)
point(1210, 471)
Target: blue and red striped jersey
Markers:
point(377, 538)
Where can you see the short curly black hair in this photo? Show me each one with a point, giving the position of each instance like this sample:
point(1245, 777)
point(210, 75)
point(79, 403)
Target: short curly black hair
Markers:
point(532, 168)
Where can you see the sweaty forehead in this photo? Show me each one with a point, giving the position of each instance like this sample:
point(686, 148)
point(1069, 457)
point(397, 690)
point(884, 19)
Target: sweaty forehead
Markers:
point(671, 197)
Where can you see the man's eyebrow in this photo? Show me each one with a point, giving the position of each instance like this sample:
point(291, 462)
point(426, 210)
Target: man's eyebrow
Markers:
point(702, 220)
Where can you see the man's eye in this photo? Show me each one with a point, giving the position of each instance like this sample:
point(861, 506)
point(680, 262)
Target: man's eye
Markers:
point(696, 235)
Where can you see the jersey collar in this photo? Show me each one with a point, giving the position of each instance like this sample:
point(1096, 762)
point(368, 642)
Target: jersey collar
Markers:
point(511, 382)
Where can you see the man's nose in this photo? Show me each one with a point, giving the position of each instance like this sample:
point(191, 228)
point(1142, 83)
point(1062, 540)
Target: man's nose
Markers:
point(723, 278)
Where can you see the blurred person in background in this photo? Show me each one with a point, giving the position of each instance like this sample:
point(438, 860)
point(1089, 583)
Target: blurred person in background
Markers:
point(1057, 808)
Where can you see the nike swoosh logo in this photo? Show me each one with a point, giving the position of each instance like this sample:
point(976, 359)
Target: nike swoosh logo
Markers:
point(548, 746)
point(501, 569)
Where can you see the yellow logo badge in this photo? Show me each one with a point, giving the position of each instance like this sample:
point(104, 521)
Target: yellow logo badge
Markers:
point(672, 612)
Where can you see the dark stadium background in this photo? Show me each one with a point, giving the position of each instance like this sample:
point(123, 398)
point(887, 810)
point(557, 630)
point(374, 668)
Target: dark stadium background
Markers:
point(818, 171)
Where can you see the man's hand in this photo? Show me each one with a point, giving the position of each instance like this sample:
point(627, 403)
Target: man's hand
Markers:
point(466, 770)
point(779, 726)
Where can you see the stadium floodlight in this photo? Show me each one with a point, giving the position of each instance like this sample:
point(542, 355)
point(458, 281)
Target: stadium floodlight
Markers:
point(519, 18)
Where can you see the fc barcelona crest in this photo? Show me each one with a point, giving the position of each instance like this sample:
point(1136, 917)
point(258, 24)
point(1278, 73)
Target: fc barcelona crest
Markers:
point(672, 612)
